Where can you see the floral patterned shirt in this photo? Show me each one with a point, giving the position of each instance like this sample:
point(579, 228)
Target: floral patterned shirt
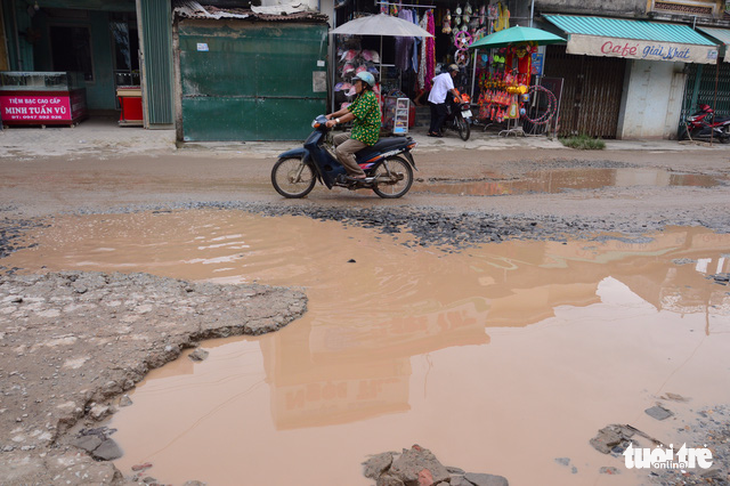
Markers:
point(366, 125)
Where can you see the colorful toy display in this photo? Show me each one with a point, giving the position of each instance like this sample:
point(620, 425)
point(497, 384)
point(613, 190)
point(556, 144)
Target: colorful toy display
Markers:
point(504, 82)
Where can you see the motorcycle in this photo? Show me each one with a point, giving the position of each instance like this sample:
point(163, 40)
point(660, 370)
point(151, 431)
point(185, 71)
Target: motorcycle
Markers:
point(704, 125)
point(388, 166)
point(458, 116)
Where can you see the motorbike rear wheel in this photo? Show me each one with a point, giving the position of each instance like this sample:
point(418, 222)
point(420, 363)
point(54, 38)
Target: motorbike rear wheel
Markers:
point(462, 125)
point(725, 135)
point(393, 177)
point(292, 177)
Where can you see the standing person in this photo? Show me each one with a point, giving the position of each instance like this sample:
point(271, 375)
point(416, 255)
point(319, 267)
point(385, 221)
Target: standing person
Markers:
point(443, 84)
point(365, 113)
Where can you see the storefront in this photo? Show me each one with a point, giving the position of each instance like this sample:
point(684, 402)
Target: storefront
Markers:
point(405, 66)
point(710, 84)
point(107, 44)
point(625, 78)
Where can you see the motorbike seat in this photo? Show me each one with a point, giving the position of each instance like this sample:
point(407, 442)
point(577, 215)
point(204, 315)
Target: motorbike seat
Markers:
point(382, 145)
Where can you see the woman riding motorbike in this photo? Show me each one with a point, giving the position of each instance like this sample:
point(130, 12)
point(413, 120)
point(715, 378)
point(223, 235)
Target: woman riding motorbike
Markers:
point(365, 115)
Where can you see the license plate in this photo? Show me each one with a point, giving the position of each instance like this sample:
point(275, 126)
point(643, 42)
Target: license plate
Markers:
point(466, 113)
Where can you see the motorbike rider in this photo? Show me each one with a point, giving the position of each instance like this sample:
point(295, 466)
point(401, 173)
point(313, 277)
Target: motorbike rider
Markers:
point(443, 84)
point(365, 115)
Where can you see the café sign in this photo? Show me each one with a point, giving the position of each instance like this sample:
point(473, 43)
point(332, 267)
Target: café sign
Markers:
point(640, 49)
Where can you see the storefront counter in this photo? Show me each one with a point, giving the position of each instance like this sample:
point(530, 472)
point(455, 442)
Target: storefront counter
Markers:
point(42, 98)
point(130, 99)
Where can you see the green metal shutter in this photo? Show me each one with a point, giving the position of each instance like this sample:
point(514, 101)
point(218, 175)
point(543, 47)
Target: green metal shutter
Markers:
point(251, 81)
point(155, 20)
point(700, 88)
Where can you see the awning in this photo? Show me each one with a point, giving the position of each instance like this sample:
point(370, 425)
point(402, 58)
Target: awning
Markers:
point(722, 36)
point(634, 39)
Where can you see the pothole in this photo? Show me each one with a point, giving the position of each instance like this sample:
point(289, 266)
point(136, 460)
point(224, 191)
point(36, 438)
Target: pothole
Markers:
point(560, 180)
point(487, 356)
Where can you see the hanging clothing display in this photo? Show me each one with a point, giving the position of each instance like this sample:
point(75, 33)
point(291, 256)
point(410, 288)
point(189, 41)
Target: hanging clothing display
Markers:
point(430, 51)
point(403, 45)
point(427, 65)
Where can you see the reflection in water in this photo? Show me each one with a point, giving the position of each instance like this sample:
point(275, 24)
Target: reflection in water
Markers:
point(469, 354)
point(554, 181)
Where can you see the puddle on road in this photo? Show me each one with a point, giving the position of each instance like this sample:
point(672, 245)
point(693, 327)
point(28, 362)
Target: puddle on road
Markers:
point(496, 358)
point(559, 180)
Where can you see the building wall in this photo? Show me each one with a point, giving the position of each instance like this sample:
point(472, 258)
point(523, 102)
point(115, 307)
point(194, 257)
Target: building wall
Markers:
point(652, 100)
point(614, 8)
point(676, 9)
point(668, 10)
point(312, 4)
point(23, 21)
point(327, 7)
point(100, 94)
point(4, 63)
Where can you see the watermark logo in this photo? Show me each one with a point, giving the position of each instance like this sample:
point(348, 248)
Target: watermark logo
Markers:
point(657, 458)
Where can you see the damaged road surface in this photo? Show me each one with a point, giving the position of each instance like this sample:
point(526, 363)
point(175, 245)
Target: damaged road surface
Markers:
point(499, 332)
point(70, 342)
point(487, 354)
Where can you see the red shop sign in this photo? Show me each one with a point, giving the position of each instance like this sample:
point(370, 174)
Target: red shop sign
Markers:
point(35, 108)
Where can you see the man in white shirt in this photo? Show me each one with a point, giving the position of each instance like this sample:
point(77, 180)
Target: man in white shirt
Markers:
point(443, 84)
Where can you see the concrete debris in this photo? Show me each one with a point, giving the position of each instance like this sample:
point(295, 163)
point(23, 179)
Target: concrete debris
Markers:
point(199, 354)
point(418, 466)
point(125, 401)
point(378, 464)
point(88, 442)
point(75, 341)
point(658, 412)
point(486, 479)
point(675, 397)
point(107, 451)
point(612, 437)
point(720, 278)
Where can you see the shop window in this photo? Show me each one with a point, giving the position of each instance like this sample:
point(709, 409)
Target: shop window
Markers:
point(71, 46)
point(126, 48)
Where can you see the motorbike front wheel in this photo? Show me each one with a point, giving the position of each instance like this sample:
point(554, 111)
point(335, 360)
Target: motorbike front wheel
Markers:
point(293, 177)
point(462, 125)
point(393, 177)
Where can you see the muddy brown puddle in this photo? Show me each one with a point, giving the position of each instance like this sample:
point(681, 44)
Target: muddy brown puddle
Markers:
point(499, 358)
point(560, 180)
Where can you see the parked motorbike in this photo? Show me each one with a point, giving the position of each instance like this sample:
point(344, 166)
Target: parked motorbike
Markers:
point(458, 116)
point(388, 166)
point(704, 125)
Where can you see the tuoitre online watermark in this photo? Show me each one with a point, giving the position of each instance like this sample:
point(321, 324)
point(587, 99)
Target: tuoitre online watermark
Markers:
point(657, 458)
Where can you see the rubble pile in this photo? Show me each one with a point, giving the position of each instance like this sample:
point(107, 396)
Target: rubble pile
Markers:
point(420, 467)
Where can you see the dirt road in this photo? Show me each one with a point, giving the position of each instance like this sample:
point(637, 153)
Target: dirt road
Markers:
point(460, 197)
point(40, 187)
